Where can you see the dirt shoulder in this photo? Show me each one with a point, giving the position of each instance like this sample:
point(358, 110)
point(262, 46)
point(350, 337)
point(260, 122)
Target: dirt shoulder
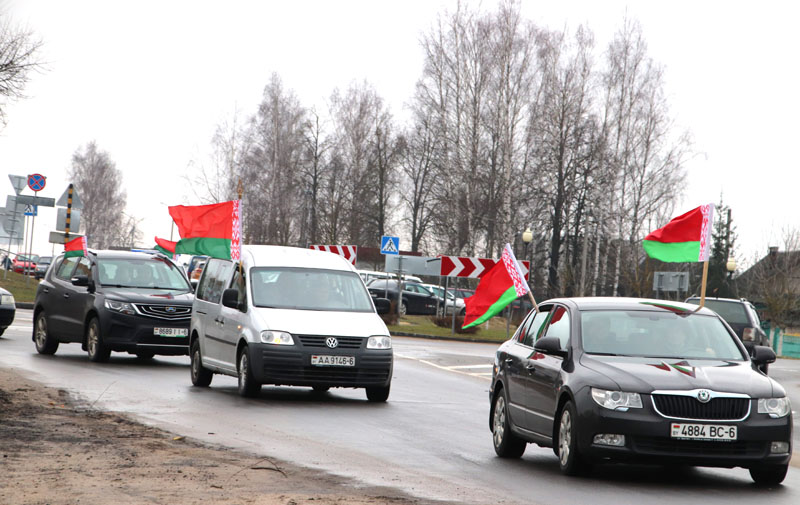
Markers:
point(56, 451)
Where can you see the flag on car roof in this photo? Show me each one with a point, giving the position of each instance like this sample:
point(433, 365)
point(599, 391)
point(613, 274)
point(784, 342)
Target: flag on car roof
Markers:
point(498, 287)
point(687, 238)
point(76, 247)
point(211, 230)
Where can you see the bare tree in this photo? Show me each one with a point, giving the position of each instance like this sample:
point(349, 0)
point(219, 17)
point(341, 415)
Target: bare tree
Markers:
point(99, 182)
point(774, 281)
point(19, 51)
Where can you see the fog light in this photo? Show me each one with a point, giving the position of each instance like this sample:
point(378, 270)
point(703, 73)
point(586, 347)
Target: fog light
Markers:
point(609, 439)
point(779, 447)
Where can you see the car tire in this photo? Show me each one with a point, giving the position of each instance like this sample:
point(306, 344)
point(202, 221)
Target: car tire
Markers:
point(769, 475)
point(145, 355)
point(44, 342)
point(378, 394)
point(201, 376)
point(403, 308)
point(248, 387)
point(570, 459)
point(506, 444)
point(97, 351)
point(318, 390)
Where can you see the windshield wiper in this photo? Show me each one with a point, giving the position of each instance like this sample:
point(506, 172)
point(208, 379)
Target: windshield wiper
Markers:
point(602, 353)
point(117, 286)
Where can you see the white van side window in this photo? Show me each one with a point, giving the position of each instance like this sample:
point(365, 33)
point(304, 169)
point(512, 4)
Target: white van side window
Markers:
point(214, 280)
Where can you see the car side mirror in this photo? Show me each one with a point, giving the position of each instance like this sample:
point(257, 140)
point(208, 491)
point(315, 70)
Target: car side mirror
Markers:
point(550, 345)
point(382, 305)
point(763, 355)
point(230, 298)
point(80, 280)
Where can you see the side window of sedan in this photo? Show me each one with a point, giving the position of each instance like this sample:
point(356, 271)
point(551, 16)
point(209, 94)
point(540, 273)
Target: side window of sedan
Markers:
point(535, 327)
point(65, 269)
point(559, 326)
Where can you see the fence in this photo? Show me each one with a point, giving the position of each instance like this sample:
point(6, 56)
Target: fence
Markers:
point(785, 345)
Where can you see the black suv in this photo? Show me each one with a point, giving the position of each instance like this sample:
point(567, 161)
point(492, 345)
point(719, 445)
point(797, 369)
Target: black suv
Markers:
point(740, 315)
point(135, 302)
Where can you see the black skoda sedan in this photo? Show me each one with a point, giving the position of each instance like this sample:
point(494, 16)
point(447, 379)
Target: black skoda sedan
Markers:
point(624, 379)
point(108, 301)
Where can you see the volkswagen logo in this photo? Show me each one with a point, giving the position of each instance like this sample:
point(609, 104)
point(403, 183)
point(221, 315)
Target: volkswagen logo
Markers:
point(703, 396)
point(171, 310)
point(331, 342)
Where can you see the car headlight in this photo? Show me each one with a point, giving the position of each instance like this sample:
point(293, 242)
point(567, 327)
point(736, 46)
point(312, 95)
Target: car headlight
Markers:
point(276, 337)
point(616, 400)
point(379, 342)
point(117, 306)
point(6, 299)
point(775, 407)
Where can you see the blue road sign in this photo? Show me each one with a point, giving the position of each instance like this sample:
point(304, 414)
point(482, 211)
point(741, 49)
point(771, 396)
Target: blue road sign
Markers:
point(36, 182)
point(31, 210)
point(390, 245)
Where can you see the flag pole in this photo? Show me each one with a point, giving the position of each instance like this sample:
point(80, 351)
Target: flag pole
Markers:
point(533, 300)
point(240, 190)
point(703, 285)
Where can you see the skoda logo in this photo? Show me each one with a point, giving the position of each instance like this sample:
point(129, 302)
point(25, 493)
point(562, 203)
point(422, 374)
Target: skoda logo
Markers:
point(703, 396)
point(171, 309)
point(331, 342)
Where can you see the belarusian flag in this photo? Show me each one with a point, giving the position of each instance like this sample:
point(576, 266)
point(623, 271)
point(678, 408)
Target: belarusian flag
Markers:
point(212, 230)
point(686, 238)
point(76, 247)
point(498, 287)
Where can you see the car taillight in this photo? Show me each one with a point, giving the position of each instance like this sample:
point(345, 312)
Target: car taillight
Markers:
point(749, 334)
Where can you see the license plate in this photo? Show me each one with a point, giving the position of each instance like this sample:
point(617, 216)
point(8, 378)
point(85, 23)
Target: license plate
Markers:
point(721, 432)
point(333, 360)
point(171, 332)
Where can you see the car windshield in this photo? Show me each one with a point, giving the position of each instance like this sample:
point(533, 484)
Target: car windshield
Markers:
point(732, 312)
point(46, 260)
point(309, 289)
point(33, 258)
point(657, 334)
point(439, 291)
point(152, 272)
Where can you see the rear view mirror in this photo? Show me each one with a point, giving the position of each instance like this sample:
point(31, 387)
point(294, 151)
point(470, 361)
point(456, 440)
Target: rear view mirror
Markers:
point(80, 280)
point(550, 345)
point(763, 355)
point(230, 298)
point(382, 305)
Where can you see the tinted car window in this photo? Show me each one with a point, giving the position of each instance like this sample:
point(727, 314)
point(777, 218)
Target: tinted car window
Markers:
point(84, 267)
point(531, 327)
point(150, 272)
point(309, 289)
point(559, 326)
point(238, 283)
point(214, 280)
point(732, 312)
point(66, 267)
point(657, 334)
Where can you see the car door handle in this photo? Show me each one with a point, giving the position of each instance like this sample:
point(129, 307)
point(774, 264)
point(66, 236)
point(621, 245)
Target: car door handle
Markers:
point(66, 295)
point(509, 360)
point(219, 320)
point(45, 290)
point(530, 367)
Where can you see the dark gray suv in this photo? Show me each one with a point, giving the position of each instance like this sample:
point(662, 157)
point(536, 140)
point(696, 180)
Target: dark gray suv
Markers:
point(740, 315)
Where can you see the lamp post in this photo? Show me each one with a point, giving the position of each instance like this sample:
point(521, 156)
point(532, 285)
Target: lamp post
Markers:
point(730, 266)
point(527, 237)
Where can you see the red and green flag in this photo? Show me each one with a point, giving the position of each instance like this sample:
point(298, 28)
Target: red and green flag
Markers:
point(498, 287)
point(687, 238)
point(212, 230)
point(76, 247)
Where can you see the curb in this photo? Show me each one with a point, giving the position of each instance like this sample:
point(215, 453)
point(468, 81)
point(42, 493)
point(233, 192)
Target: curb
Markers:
point(438, 337)
point(23, 305)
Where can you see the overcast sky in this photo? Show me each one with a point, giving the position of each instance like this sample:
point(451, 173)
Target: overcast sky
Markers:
point(150, 80)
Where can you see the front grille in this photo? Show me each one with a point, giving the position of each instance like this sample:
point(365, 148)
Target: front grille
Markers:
point(668, 446)
point(689, 407)
point(319, 341)
point(287, 369)
point(168, 312)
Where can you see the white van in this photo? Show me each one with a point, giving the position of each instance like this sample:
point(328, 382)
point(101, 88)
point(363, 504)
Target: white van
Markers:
point(289, 316)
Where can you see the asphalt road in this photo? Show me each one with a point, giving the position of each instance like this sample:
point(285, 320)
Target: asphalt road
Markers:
point(430, 439)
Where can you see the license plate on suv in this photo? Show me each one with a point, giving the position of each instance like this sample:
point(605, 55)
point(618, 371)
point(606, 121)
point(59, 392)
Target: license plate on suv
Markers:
point(171, 332)
point(333, 360)
point(718, 432)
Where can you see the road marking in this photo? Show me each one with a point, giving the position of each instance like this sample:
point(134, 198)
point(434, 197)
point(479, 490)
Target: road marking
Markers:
point(446, 368)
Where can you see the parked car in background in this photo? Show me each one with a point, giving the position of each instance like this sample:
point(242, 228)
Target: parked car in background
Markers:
point(741, 315)
point(635, 380)
point(417, 299)
point(7, 309)
point(122, 301)
point(193, 262)
point(461, 293)
point(368, 275)
point(24, 264)
point(42, 266)
point(451, 302)
point(293, 317)
point(197, 272)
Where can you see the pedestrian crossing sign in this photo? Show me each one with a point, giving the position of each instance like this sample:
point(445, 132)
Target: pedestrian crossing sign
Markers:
point(390, 245)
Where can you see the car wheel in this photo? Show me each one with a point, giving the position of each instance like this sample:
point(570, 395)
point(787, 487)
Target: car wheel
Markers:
point(569, 458)
point(403, 309)
point(201, 376)
point(378, 393)
point(248, 387)
point(145, 355)
point(318, 390)
point(44, 342)
point(97, 351)
point(506, 444)
point(769, 475)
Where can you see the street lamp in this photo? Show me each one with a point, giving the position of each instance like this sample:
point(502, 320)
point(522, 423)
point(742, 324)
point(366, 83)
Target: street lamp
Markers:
point(730, 266)
point(527, 237)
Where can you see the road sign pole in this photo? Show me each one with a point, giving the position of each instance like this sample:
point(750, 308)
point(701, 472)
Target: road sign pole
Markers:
point(11, 237)
point(69, 212)
point(30, 245)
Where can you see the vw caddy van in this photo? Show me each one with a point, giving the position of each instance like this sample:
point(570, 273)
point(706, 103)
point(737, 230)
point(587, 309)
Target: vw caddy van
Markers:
point(292, 317)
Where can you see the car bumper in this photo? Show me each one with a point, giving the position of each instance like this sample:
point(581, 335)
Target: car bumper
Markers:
point(7, 313)
point(291, 366)
point(647, 437)
point(134, 333)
